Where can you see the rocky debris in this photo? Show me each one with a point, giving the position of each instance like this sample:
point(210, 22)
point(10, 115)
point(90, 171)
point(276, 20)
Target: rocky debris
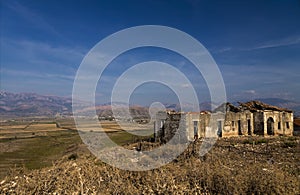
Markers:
point(258, 105)
point(252, 106)
point(232, 108)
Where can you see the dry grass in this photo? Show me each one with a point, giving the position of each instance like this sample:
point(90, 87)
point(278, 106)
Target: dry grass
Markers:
point(112, 126)
point(28, 130)
point(234, 166)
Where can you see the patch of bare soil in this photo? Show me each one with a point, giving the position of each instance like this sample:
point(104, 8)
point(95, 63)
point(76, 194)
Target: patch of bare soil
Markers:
point(233, 166)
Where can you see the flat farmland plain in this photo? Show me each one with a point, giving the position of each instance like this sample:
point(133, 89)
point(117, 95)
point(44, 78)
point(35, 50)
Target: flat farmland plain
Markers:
point(34, 145)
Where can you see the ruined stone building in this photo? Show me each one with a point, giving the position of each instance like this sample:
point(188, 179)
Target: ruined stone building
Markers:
point(251, 118)
point(296, 126)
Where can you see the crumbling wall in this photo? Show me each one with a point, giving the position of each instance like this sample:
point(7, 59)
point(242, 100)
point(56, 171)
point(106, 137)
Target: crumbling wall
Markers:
point(283, 122)
point(274, 116)
point(288, 118)
point(258, 123)
point(190, 118)
point(252, 118)
point(238, 123)
point(170, 126)
point(202, 120)
point(204, 123)
point(209, 124)
point(159, 127)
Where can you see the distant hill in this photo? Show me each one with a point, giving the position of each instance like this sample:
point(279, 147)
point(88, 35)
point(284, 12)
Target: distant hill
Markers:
point(105, 111)
point(189, 107)
point(31, 104)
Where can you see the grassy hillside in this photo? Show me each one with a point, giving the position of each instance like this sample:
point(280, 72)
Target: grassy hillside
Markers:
point(234, 166)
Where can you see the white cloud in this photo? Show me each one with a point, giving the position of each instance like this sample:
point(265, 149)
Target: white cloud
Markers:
point(185, 85)
point(31, 74)
point(32, 17)
point(28, 65)
point(222, 50)
point(277, 43)
point(251, 91)
point(246, 95)
point(34, 53)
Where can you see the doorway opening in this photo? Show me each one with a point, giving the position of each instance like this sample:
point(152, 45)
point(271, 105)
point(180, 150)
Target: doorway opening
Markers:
point(270, 126)
point(249, 126)
point(239, 127)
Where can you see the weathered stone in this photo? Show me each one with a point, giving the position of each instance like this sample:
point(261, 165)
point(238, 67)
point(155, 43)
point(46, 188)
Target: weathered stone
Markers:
point(251, 118)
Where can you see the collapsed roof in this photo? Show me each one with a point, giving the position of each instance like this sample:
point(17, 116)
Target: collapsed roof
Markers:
point(258, 105)
point(252, 106)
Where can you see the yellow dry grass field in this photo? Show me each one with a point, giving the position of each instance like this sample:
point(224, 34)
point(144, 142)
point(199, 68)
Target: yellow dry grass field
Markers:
point(233, 166)
point(29, 130)
point(108, 126)
point(113, 126)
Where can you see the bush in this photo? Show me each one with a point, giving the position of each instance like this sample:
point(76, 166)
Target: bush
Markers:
point(260, 141)
point(73, 156)
point(289, 144)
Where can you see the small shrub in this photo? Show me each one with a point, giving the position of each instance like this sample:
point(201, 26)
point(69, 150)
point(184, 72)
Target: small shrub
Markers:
point(73, 156)
point(246, 141)
point(260, 141)
point(289, 144)
point(292, 138)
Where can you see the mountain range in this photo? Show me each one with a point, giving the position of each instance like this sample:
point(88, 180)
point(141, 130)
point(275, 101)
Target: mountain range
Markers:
point(31, 104)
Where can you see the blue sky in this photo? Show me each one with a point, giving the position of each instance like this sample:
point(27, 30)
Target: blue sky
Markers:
point(256, 44)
